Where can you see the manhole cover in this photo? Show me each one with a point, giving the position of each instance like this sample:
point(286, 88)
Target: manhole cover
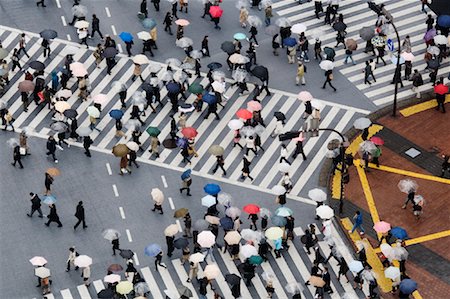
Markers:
point(412, 152)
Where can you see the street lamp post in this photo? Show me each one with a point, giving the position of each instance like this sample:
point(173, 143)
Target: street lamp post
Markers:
point(397, 69)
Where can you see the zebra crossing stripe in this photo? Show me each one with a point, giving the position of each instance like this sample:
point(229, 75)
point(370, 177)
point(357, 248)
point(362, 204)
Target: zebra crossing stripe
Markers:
point(84, 293)
point(181, 272)
point(156, 293)
point(231, 268)
point(98, 285)
point(66, 294)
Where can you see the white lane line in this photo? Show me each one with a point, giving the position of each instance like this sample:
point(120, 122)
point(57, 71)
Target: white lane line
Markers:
point(58, 4)
point(172, 206)
point(63, 20)
point(83, 291)
point(163, 178)
point(129, 236)
point(116, 193)
point(154, 289)
point(98, 285)
point(179, 225)
point(66, 294)
point(68, 37)
point(122, 213)
point(119, 46)
point(108, 13)
point(108, 167)
point(113, 28)
point(136, 260)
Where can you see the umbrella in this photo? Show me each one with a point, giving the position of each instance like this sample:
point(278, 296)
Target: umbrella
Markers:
point(239, 75)
point(153, 131)
point(227, 224)
point(251, 209)
point(126, 37)
point(248, 131)
point(386, 249)
point(378, 41)
point(83, 261)
point(64, 93)
point(278, 190)
point(367, 147)
point(81, 24)
point(394, 59)
point(214, 65)
point(268, 276)
point(189, 132)
point(441, 89)
point(53, 171)
point(38, 261)
point(209, 98)
point(418, 199)
point(144, 35)
point(377, 140)
point(26, 86)
point(290, 42)
point(325, 212)
point(351, 44)
point(79, 11)
point(232, 279)
point(84, 131)
point(278, 220)
point(239, 36)
point(279, 115)
point(284, 167)
point(184, 42)
point(235, 124)
point(195, 88)
point(126, 253)
point(201, 224)
point(334, 145)
point(355, 266)
point(59, 126)
point(232, 237)
point(274, 233)
point(382, 227)
point(316, 281)
point(173, 87)
point(216, 150)
point(326, 65)
point(169, 143)
point(228, 47)
point(317, 195)
point(196, 54)
point(112, 278)
point(100, 98)
point(329, 52)
point(440, 40)
point(254, 21)
point(141, 288)
point(248, 250)
point(339, 26)
point(294, 288)
point(181, 243)
point(283, 22)
point(212, 219)
point(399, 253)
point(215, 11)
point(256, 260)
point(218, 75)
point(305, 96)
point(211, 271)
point(366, 33)
point(283, 212)
point(181, 142)
point(208, 201)
point(70, 113)
point(233, 212)
point(133, 146)
point(399, 232)
point(362, 123)
point(444, 21)
point(140, 59)
point(244, 114)
point(272, 30)
point(186, 174)
point(78, 69)
point(3, 53)
point(37, 65)
point(182, 22)
point(218, 87)
point(392, 273)
point(433, 64)
point(120, 150)
point(180, 213)
point(197, 257)
point(152, 250)
point(42, 272)
point(206, 239)
point(157, 195)
point(110, 52)
point(184, 291)
point(251, 235)
point(260, 72)
point(212, 189)
point(124, 287)
point(408, 286)
point(148, 23)
point(298, 28)
point(254, 106)
point(48, 199)
point(105, 294)
point(429, 35)
point(115, 268)
point(116, 114)
point(408, 56)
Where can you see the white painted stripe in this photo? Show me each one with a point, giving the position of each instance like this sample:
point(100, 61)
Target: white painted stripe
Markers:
point(232, 269)
point(279, 289)
point(113, 29)
point(66, 294)
point(167, 279)
point(68, 37)
point(116, 192)
point(84, 293)
point(119, 47)
point(7, 42)
point(98, 285)
point(163, 178)
point(108, 13)
point(172, 206)
point(136, 259)
point(122, 213)
point(154, 289)
point(129, 235)
point(58, 3)
point(108, 168)
point(181, 272)
point(49, 296)
point(63, 20)
point(180, 229)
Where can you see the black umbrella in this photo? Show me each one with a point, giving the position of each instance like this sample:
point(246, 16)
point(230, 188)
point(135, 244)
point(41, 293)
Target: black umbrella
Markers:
point(374, 7)
point(170, 143)
point(59, 126)
point(228, 47)
point(173, 87)
point(126, 253)
point(37, 65)
point(181, 243)
point(232, 279)
point(110, 52)
point(339, 26)
point(105, 294)
point(329, 52)
point(260, 72)
point(70, 113)
point(433, 64)
point(214, 65)
point(48, 34)
point(279, 115)
point(147, 87)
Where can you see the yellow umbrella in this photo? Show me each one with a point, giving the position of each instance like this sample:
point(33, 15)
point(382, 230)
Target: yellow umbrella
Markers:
point(180, 213)
point(157, 195)
point(124, 287)
point(53, 171)
point(274, 233)
point(232, 237)
point(171, 230)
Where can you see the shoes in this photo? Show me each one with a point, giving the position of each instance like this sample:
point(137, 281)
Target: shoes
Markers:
point(29, 215)
point(40, 216)
point(60, 225)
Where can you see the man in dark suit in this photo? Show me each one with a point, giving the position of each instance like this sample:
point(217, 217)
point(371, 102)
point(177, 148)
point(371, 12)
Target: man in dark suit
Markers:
point(80, 215)
point(53, 216)
point(35, 205)
point(327, 278)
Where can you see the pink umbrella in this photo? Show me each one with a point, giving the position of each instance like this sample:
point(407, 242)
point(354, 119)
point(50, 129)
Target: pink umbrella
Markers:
point(77, 69)
point(377, 140)
point(304, 96)
point(182, 22)
point(254, 106)
point(408, 56)
point(100, 99)
point(382, 227)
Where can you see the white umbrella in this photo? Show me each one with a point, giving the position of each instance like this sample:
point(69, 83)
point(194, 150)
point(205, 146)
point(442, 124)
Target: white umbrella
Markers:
point(218, 87)
point(317, 104)
point(206, 239)
point(112, 278)
point(399, 253)
point(235, 124)
point(184, 42)
point(298, 28)
point(251, 235)
point(83, 131)
point(93, 111)
point(239, 75)
point(386, 249)
point(278, 189)
point(81, 24)
point(266, 212)
point(284, 167)
point(171, 230)
point(79, 11)
point(224, 199)
point(355, 266)
point(38, 261)
point(64, 93)
point(118, 86)
point(208, 201)
point(110, 234)
point(100, 98)
point(259, 129)
point(368, 147)
point(237, 58)
point(418, 199)
point(233, 212)
point(325, 212)
point(12, 142)
point(83, 261)
point(406, 186)
point(78, 69)
point(433, 50)
point(248, 250)
point(144, 35)
point(254, 21)
point(248, 131)
point(362, 123)
point(304, 96)
point(392, 273)
point(218, 75)
point(408, 56)
point(317, 194)
point(440, 40)
point(326, 65)
point(42, 272)
point(211, 271)
point(157, 195)
point(133, 146)
point(283, 22)
point(140, 59)
point(197, 257)
point(268, 276)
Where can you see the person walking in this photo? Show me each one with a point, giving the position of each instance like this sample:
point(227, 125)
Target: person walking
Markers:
point(343, 269)
point(284, 154)
point(48, 182)
point(144, 10)
point(17, 157)
point(329, 77)
point(128, 46)
point(156, 4)
point(124, 166)
point(205, 46)
point(22, 45)
point(416, 82)
point(300, 76)
point(367, 73)
point(220, 162)
point(158, 206)
point(86, 275)
point(253, 32)
point(397, 79)
point(41, 3)
point(79, 214)
point(137, 72)
point(246, 168)
point(445, 165)
point(87, 142)
point(299, 149)
point(193, 270)
point(187, 226)
point(250, 145)
point(212, 109)
point(154, 146)
point(158, 260)
point(53, 216)
point(170, 247)
point(15, 60)
point(35, 205)
point(380, 55)
point(358, 218)
point(51, 148)
point(115, 244)
point(83, 35)
point(254, 218)
point(243, 15)
point(71, 259)
point(95, 26)
point(186, 185)
point(168, 22)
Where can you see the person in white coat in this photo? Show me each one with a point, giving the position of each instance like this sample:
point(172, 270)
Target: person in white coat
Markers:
point(278, 128)
point(250, 145)
point(286, 182)
point(284, 154)
point(71, 258)
point(86, 275)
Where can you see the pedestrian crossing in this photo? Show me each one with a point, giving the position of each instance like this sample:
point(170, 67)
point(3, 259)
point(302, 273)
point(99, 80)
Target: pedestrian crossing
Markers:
point(408, 19)
point(210, 131)
point(292, 266)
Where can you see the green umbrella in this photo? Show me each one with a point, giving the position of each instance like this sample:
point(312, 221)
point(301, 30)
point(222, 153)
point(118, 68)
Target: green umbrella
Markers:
point(153, 131)
point(255, 260)
point(195, 88)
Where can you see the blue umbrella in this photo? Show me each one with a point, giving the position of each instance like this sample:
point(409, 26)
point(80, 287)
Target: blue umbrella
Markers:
point(209, 98)
point(173, 87)
point(212, 189)
point(181, 142)
point(149, 23)
point(152, 250)
point(186, 174)
point(126, 36)
point(278, 220)
point(408, 286)
point(116, 114)
point(226, 223)
point(289, 41)
point(399, 233)
point(444, 21)
point(239, 36)
point(48, 199)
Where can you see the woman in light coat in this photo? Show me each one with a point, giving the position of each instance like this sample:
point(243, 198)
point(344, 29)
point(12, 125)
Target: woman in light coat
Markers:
point(154, 146)
point(137, 72)
point(243, 15)
point(86, 275)
point(182, 120)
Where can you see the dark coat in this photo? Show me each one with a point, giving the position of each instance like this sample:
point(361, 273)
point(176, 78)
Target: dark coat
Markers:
point(80, 212)
point(35, 202)
point(53, 215)
point(51, 145)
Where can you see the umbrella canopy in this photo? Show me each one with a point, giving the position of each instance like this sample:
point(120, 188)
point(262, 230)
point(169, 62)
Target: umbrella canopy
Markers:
point(429, 35)
point(274, 233)
point(133, 146)
point(81, 24)
point(392, 272)
point(110, 52)
point(120, 150)
point(378, 41)
point(377, 140)
point(38, 261)
point(255, 260)
point(64, 93)
point(12, 142)
point(93, 111)
point(196, 54)
point(240, 75)
point(79, 10)
point(181, 142)
point(59, 126)
point(42, 272)
point(251, 209)
point(284, 167)
point(186, 174)
point(399, 253)
point(279, 115)
point(339, 26)
point(184, 291)
point(298, 28)
point(215, 11)
point(53, 171)
point(181, 243)
point(228, 47)
point(355, 266)
point(78, 69)
point(141, 288)
point(226, 223)
point(216, 150)
point(212, 189)
point(290, 42)
point(284, 212)
point(180, 213)
point(351, 44)
point(278, 189)
point(408, 286)
point(244, 114)
point(209, 98)
point(212, 219)
point(26, 86)
point(83, 261)
point(208, 201)
point(100, 98)
point(444, 21)
point(254, 106)
point(189, 132)
point(152, 250)
point(260, 72)
point(37, 65)
point(206, 239)
point(124, 287)
point(386, 249)
point(317, 194)
point(214, 65)
point(235, 124)
point(254, 21)
point(144, 35)
point(326, 65)
point(153, 131)
point(112, 278)
point(140, 59)
point(268, 276)
point(182, 22)
point(407, 56)
point(382, 227)
point(49, 199)
point(233, 212)
point(316, 281)
point(126, 253)
point(305, 96)
point(115, 268)
point(232, 237)
point(329, 52)
point(251, 235)
point(394, 59)
point(441, 89)
point(195, 88)
point(173, 87)
point(248, 131)
point(440, 40)
point(149, 23)
point(248, 250)
point(294, 288)
point(278, 220)
point(116, 114)
point(201, 224)
point(197, 257)
point(218, 87)
point(3, 53)
point(232, 279)
point(367, 147)
point(399, 233)
point(366, 33)
point(283, 22)
point(126, 37)
point(157, 195)
point(239, 36)
point(362, 123)
point(105, 294)
point(184, 42)
point(84, 131)
point(325, 212)
point(70, 113)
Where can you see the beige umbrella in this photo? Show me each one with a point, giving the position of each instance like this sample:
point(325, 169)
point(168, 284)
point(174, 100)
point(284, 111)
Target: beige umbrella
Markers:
point(62, 106)
point(53, 171)
point(83, 261)
point(316, 281)
point(157, 195)
point(140, 59)
point(81, 24)
point(171, 230)
point(133, 146)
point(351, 44)
point(274, 233)
point(216, 150)
point(238, 59)
point(120, 150)
point(211, 271)
point(100, 99)
point(212, 219)
point(232, 237)
point(42, 272)
point(206, 239)
point(124, 287)
point(197, 257)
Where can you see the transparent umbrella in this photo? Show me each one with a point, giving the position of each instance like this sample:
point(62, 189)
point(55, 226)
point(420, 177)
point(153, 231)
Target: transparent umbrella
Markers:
point(407, 185)
point(79, 10)
point(254, 21)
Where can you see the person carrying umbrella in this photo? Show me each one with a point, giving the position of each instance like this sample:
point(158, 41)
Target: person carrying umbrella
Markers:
point(220, 162)
point(246, 169)
point(115, 244)
point(158, 206)
point(187, 226)
point(71, 259)
point(329, 77)
point(158, 261)
point(83, 35)
point(186, 183)
point(124, 165)
point(144, 10)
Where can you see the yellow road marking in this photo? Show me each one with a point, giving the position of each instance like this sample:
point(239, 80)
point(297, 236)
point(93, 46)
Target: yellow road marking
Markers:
point(421, 107)
point(416, 295)
point(336, 185)
point(410, 173)
point(442, 234)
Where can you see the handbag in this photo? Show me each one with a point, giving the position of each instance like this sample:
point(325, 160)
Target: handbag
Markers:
point(331, 77)
point(23, 151)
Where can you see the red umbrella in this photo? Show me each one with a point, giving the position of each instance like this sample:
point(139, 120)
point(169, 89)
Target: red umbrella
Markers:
point(377, 140)
point(441, 89)
point(251, 209)
point(189, 132)
point(244, 114)
point(215, 11)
